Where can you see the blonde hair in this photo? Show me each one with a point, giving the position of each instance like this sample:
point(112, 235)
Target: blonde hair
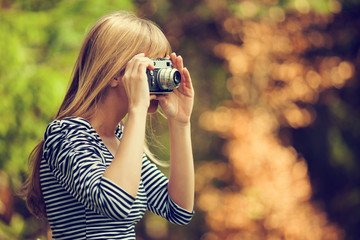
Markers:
point(109, 45)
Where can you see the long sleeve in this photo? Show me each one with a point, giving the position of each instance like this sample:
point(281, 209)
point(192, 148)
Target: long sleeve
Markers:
point(78, 166)
point(159, 200)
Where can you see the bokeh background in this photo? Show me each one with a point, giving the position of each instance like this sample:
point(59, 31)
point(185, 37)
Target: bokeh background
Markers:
point(276, 124)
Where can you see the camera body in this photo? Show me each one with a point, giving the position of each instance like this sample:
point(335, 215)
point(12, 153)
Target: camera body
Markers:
point(164, 78)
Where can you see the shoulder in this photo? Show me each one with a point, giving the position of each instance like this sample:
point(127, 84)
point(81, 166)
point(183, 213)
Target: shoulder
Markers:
point(67, 126)
point(70, 136)
point(68, 129)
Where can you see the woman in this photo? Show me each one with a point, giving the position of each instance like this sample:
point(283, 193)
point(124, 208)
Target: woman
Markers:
point(90, 177)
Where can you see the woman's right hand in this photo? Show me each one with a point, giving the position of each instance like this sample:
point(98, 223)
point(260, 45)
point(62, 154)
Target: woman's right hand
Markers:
point(135, 81)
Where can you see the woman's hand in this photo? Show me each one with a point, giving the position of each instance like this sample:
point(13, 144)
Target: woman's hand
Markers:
point(135, 81)
point(178, 105)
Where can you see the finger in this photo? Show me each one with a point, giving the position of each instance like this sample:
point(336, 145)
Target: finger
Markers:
point(143, 64)
point(131, 64)
point(135, 59)
point(177, 60)
point(173, 56)
point(151, 65)
point(140, 55)
point(153, 97)
point(187, 75)
point(179, 63)
point(173, 59)
point(186, 83)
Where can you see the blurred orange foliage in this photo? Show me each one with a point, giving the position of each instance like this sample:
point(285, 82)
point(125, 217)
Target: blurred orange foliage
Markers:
point(268, 191)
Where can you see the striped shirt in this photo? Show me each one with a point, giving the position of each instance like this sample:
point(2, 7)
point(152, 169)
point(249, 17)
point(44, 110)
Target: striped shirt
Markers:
point(83, 204)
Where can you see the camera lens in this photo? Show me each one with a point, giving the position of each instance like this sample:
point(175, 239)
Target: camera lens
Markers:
point(177, 78)
point(168, 78)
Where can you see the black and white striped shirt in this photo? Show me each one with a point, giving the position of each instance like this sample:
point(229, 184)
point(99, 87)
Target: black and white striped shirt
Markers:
point(83, 204)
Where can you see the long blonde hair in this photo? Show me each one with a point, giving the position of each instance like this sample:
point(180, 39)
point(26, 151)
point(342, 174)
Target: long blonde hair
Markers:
point(109, 45)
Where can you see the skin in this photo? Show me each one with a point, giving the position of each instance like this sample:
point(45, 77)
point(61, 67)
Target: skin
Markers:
point(130, 95)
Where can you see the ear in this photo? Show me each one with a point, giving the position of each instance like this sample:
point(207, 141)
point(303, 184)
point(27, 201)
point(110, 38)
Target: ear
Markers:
point(115, 82)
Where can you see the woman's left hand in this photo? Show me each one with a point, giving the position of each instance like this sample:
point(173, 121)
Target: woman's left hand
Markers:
point(178, 105)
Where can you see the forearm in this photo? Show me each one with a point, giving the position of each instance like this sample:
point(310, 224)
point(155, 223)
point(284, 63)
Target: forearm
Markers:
point(181, 180)
point(125, 169)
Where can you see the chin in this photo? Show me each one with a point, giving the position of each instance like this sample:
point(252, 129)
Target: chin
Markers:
point(153, 106)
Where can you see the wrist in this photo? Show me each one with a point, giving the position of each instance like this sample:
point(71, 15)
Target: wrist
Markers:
point(179, 124)
point(136, 110)
point(138, 113)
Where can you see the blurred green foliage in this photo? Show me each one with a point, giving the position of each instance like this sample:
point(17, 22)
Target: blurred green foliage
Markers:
point(39, 43)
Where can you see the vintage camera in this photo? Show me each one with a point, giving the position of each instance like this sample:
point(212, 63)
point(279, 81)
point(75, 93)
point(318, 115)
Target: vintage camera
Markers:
point(164, 78)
